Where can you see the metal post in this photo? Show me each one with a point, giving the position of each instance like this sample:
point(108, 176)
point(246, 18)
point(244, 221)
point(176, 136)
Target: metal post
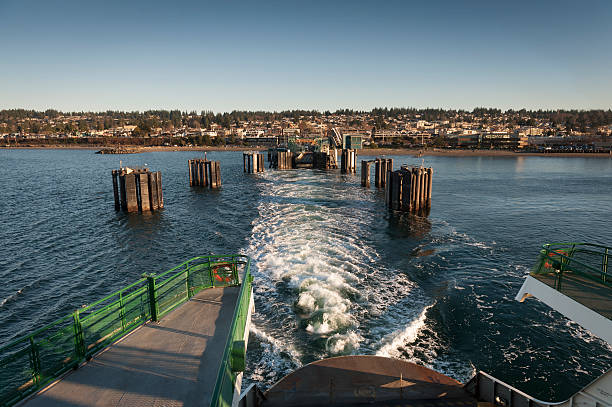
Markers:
point(188, 283)
point(605, 266)
point(79, 340)
point(121, 313)
point(210, 272)
point(152, 296)
point(34, 361)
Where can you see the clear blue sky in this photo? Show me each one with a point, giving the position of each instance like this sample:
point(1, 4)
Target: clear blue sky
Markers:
point(226, 55)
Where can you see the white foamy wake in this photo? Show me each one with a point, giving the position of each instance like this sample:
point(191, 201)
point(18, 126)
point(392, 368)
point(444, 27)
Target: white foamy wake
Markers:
point(397, 340)
point(321, 287)
point(311, 254)
point(275, 359)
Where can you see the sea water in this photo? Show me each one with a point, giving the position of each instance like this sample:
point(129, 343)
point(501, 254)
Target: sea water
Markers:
point(335, 272)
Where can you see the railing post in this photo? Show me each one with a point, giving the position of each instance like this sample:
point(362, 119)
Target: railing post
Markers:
point(605, 265)
point(210, 272)
point(79, 340)
point(152, 296)
point(189, 294)
point(121, 312)
point(35, 361)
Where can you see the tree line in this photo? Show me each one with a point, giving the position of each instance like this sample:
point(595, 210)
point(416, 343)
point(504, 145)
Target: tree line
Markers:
point(53, 121)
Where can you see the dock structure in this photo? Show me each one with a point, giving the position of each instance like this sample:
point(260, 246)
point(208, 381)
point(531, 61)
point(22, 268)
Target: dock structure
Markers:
point(281, 160)
point(253, 162)
point(137, 190)
point(324, 160)
point(383, 166)
point(348, 161)
point(178, 338)
point(409, 189)
point(365, 173)
point(204, 173)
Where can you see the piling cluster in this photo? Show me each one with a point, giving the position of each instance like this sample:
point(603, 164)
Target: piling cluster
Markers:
point(253, 162)
point(382, 167)
point(281, 160)
point(204, 173)
point(137, 190)
point(324, 160)
point(409, 189)
point(348, 161)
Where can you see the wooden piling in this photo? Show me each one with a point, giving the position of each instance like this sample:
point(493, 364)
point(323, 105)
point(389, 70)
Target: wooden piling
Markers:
point(395, 181)
point(202, 173)
point(206, 173)
point(348, 161)
point(138, 190)
point(383, 166)
point(429, 182)
point(143, 182)
point(253, 162)
point(122, 192)
point(284, 160)
point(130, 193)
point(116, 190)
point(406, 190)
point(409, 189)
point(160, 190)
point(365, 173)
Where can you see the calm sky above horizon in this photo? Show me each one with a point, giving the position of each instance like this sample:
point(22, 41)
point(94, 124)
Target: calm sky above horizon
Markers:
point(256, 55)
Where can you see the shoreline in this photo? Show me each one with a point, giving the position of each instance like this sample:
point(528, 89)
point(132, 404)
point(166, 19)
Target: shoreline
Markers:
point(362, 152)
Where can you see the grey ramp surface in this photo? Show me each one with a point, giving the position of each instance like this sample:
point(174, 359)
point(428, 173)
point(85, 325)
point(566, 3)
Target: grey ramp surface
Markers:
point(173, 362)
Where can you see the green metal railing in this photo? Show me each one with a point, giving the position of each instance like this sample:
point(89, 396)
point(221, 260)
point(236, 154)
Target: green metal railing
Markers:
point(34, 360)
point(585, 259)
point(234, 355)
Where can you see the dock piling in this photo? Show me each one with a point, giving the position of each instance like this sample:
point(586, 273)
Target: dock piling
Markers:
point(205, 173)
point(409, 189)
point(116, 190)
point(253, 162)
point(365, 173)
point(137, 190)
point(348, 161)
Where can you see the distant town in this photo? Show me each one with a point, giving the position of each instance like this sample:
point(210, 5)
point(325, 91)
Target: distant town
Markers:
point(481, 128)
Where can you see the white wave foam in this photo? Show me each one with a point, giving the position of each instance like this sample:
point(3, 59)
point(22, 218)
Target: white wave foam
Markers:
point(277, 346)
point(308, 258)
point(13, 296)
point(343, 344)
point(398, 339)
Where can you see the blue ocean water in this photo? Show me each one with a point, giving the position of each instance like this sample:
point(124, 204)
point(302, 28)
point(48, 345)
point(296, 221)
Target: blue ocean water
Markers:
point(335, 273)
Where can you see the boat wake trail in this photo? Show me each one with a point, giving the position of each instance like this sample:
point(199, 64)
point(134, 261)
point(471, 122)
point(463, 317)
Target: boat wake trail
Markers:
point(321, 288)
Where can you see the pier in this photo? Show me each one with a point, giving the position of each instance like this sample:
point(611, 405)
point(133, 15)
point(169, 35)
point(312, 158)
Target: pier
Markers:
point(178, 338)
point(137, 190)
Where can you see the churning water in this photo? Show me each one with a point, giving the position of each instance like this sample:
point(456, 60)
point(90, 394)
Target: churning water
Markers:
point(335, 273)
